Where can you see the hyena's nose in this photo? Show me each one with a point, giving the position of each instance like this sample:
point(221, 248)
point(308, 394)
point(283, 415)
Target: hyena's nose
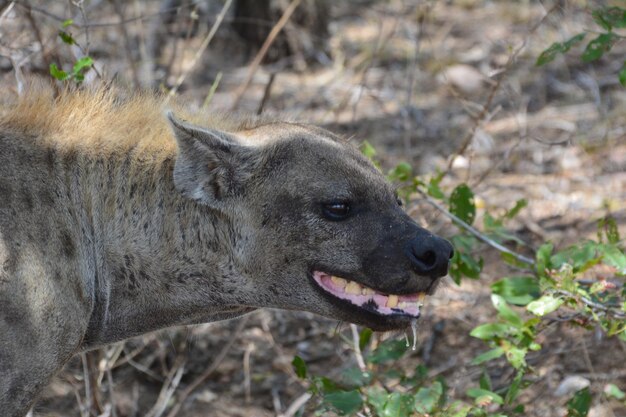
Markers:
point(430, 255)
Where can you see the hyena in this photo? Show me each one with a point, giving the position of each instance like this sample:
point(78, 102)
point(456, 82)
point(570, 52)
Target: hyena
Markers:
point(118, 218)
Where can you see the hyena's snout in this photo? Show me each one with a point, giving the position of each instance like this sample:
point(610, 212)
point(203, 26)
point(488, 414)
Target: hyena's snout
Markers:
point(429, 255)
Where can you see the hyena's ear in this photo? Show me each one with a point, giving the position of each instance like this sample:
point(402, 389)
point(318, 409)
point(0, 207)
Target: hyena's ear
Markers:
point(211, 165)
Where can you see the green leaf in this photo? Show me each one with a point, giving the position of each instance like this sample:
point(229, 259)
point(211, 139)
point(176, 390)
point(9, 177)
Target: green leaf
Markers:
point(364, 337)
point(580, 403)
point(462, 203)
point(598, 46)
point(376, 397)
point(66, 37)
point(516, 357)
point(344, 402)
point(387, 351)
point(485, 381)
point(368, 150)
point(478, 392)
point(581, 256)
point(427, 399)
point(490, 330)
point(615, 257)
point(354, 377)
point(402, 172)
point(57, 73)
point(519, 205)
point(82, 64)
point(433, 187)
point(543, 258)
point(622, 75)
point(487, 356)
point(517, 290)
point(558, 48)
point(397, 405)
point(545, 305)
point(611, 390)
point(610, 17)
point(457, 409)
point(506, 312)
point(68, 22)
point(299, 366)
point(514, 388)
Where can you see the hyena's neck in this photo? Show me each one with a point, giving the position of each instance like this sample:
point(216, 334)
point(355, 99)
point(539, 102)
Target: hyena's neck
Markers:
point(161, 260)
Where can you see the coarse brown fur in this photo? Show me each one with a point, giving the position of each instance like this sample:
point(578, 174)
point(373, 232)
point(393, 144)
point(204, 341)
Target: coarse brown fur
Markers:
point(115, 222)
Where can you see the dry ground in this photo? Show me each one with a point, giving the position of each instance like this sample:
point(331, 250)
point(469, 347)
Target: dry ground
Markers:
point(411, 78)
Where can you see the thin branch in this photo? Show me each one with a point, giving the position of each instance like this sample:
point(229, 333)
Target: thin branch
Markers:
point(169, 387)
point(592, 304)
point(263, 51)
point(127, 46)
point(218, 360)
point(296, 405)
point(202, 48)
point(474, 231)
point(357, 348)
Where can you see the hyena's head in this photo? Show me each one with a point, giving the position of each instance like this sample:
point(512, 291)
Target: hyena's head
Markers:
point(317, 227)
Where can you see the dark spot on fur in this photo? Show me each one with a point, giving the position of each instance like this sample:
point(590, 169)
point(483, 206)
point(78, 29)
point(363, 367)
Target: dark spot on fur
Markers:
point(12, 313)
point(274, 290)
point(57, 276)
point(5, 194)
point(45, 198)
point(50, 158)
point(67, 244)
point(27, 199)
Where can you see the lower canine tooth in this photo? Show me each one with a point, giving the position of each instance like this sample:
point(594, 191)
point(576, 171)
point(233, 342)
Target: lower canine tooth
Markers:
point(353, 288)
point(421, 296)
point(392, 301)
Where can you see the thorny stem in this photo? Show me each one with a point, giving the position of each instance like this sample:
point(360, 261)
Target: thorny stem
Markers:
point(592, 304)
point(474, 231)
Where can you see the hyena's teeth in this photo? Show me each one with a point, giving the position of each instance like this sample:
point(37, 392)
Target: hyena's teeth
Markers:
point(368, 291)
point(421, 296)
point(353, 288)
point(392, 301)
point(340, 282)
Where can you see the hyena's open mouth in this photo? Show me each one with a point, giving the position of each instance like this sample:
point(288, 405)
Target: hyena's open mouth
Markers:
point(368, 298)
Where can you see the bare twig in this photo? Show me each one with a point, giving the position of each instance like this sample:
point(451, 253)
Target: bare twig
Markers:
point(296, 405)
point(357, 348)
point(481, 117)
point(202, 48)
point(127, 46)
point(266, 93)
point(216, 362)
point(169, 387)
point(412, 69)
point(474, 231)
point(592, 304)
point(246, 372)
point(263, 51)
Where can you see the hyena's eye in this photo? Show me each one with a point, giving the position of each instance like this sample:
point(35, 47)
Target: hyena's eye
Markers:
point(399, 201)
point(336, 210)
